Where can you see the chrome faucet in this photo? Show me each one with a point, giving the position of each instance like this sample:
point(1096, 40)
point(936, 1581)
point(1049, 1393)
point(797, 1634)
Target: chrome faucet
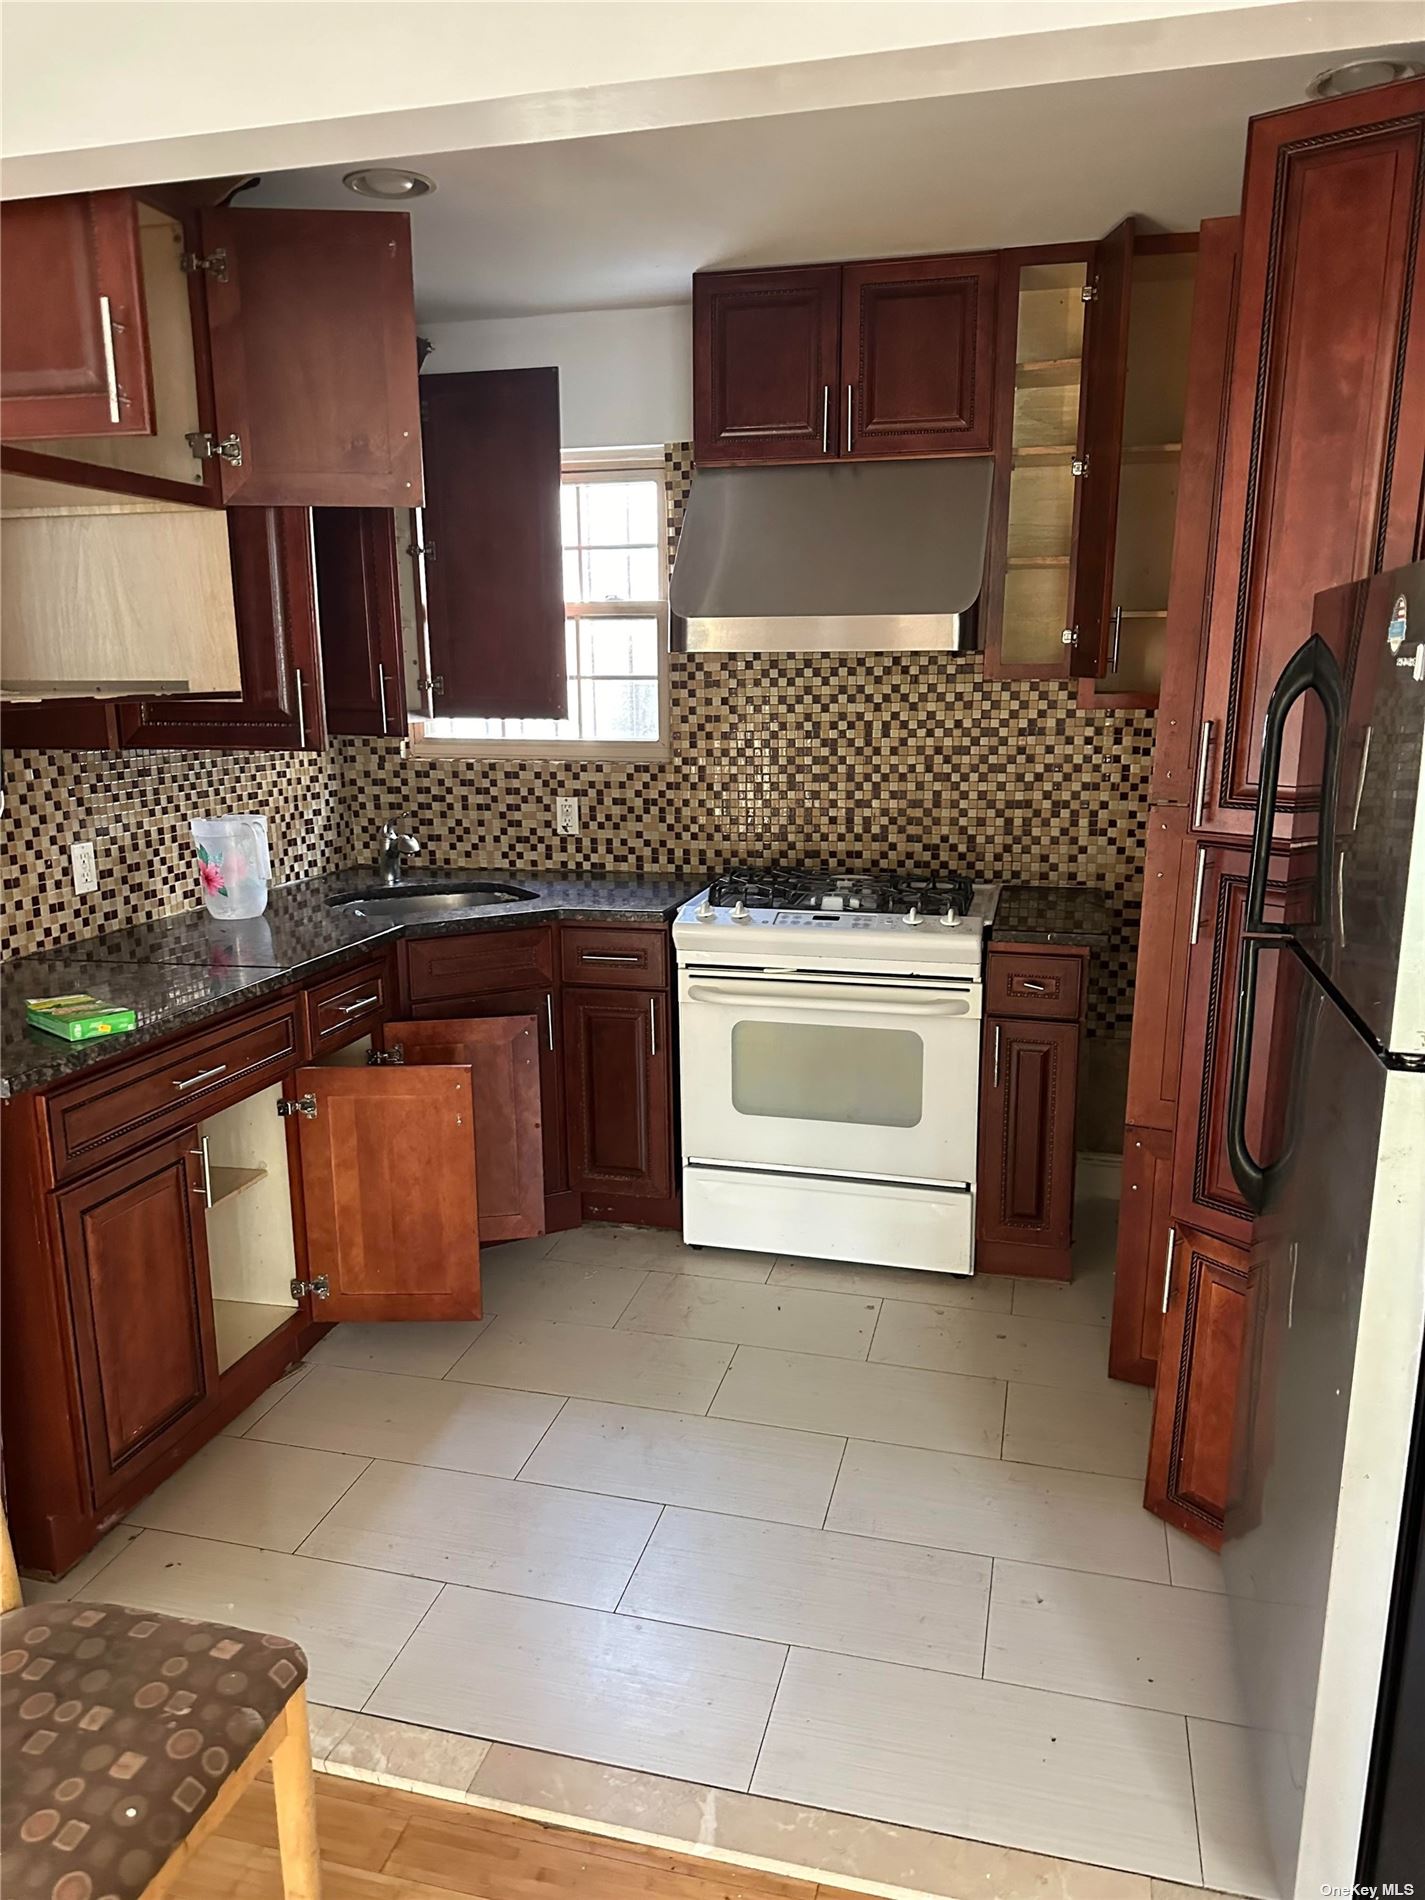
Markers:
point(394, 846)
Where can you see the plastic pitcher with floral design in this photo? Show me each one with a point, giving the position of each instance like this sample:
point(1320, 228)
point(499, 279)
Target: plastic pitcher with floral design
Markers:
point(234, 864)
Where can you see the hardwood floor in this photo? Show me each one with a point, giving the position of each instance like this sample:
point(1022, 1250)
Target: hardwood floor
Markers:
point(380, 1844)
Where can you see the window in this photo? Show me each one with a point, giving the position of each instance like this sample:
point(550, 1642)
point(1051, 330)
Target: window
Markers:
point(615, 627)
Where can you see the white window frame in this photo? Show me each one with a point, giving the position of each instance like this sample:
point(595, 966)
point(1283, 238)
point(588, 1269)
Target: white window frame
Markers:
point(596, 466)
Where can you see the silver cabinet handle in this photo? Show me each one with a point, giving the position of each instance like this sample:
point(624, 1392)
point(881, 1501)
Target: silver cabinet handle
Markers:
point(850, 405)
point(997, 1033)
point(653, 1025)
point(826, 418)
point(381, 686)
point(1361, 781)
point(608, 956)
point(301, 714)
point(362, 1002)
point(1199, 799)
point(111, 374)
point(1028, 983)
point(203, 1075)
point(202, 1153)
point(549, 1017)
point(1114, 642)
point(1168, 1267)
point(1197, 893)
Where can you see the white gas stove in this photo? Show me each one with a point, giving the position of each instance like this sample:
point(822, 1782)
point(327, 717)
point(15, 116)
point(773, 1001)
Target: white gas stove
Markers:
point(830, 1065)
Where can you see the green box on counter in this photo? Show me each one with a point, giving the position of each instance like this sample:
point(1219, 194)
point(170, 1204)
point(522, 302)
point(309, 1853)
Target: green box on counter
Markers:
point(78, 1018)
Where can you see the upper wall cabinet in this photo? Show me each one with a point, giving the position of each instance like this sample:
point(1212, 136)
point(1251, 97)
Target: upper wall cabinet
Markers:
point(253, 356)
point(358, 593)
point(858, 361)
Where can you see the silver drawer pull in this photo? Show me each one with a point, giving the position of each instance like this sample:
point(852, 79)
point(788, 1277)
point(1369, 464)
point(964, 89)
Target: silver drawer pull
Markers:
point(362, 1002)
point(203, 1075)
point(607, 956)
point(1028, 983)
point(653, 1025)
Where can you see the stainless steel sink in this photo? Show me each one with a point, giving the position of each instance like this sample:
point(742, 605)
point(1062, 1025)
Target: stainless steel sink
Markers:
point(397, 903)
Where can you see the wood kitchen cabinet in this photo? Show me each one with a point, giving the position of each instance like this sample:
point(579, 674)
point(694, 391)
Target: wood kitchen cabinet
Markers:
point(1202, 1395)
point(1140, 1285)
point(619, 1081)
point(1321, 473)
point(844, 361)
point(135, 1263)
point(1028, 1096)
point(359, 610)
point(279, 347)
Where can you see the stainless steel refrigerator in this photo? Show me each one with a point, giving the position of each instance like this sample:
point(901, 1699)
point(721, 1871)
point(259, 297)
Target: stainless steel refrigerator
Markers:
point(1322, 1552)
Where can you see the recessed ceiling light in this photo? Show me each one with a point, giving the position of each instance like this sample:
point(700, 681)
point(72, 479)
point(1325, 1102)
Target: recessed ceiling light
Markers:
point(1359, 74)
point(388, 182)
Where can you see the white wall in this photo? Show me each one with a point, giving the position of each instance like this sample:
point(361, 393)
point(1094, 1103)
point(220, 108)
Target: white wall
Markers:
point(625, 376)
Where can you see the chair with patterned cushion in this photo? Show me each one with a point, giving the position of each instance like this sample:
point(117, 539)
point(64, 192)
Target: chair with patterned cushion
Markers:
point(125, 1738)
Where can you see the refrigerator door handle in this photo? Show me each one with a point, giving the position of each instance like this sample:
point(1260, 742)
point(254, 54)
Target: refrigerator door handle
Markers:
point(1311, 669)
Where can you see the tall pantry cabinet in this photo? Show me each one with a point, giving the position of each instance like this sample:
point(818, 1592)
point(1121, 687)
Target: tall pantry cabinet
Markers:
point(1319, 462)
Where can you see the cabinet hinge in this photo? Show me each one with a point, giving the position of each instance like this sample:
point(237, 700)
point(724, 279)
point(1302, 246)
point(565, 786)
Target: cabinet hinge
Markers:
point(205, 446)
point(1089, 294)
point(1070, 636)
point(304, 1105)
point(215, 264)
point(394, 1057)
point(422, 550)
point(320, 1288)
point(1079, 467)
point(434, 684)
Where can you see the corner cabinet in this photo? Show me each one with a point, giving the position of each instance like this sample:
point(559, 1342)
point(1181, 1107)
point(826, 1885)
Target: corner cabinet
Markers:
point(844, 362)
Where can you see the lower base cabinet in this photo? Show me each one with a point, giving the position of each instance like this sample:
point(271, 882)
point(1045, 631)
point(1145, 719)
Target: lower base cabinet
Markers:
point(1024, 1219)
point(1140, 1282)
point(619, 1074)
point(1207, 1343)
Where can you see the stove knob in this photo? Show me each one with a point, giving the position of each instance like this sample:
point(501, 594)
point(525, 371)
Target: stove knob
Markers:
point(740, 913)
point(705, 912)
point(913, 916)
point(951, 918)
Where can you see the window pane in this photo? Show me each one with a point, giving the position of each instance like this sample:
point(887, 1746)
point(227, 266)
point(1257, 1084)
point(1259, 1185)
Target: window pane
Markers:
point(571, 575)
point(619, 709)
point(616, 513)
point(621, 574)
point(620, 647)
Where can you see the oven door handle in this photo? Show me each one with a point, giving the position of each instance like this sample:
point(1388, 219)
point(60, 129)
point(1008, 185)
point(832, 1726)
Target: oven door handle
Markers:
point(873, 1000)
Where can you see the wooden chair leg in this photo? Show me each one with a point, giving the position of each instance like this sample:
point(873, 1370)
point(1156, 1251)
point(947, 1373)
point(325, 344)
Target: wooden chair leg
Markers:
point(295, 1788)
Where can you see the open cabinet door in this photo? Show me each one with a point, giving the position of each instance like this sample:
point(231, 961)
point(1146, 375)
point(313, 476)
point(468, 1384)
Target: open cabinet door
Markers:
point(1096, 504)
point(503, 1054)
point(388, 1184)
point(312, 329)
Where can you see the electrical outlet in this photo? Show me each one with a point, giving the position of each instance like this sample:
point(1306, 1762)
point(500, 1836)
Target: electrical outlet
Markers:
point(566, 817)
point(86, 870)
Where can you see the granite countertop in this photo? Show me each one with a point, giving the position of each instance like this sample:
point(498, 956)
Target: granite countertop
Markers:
point(176, 971)
point(1052, 913)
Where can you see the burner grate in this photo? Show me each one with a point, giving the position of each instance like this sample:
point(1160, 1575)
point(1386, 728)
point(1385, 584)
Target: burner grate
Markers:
point(827, 890)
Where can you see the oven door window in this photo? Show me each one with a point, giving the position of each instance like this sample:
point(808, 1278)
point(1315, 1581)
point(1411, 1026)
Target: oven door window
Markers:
point(818, 1072)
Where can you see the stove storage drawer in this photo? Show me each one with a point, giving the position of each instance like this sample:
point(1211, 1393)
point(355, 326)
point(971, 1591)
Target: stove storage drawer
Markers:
point(1021, 980)
point(630, 956)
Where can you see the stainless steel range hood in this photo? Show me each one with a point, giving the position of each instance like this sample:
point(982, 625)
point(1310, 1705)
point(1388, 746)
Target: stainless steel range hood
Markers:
point(853, 558)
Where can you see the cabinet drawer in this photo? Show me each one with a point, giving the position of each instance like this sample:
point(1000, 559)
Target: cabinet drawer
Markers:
point(349, 1005)
point(614, 959)
point(109, 1113)
point(440, 969)
point(1030, 985)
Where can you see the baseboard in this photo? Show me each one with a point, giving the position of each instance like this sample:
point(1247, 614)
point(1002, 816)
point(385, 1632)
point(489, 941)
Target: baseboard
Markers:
point(1099, 1176)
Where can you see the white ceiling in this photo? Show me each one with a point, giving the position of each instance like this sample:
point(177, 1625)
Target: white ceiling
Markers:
point(626, 219)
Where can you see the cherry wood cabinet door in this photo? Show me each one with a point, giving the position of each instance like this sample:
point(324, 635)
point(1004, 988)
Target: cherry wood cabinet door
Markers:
point(389, 1192)
point(1205, 1194)
point(135, 1255)
point(279, 654)
point(503, 1053)
point(312, 332)
point(493, 561)
point(1324, 444)
point(1096, 511)
point(1195, 1451)
point(1172, 869)
point(1139, 1281)
point(918, 356)
point(73, 339)
point(766, 366)
point(1028, 1092)
point(359, 610)
point(619, 1092)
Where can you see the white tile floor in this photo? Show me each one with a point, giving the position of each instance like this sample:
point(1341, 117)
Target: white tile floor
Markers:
point(853, 1539)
